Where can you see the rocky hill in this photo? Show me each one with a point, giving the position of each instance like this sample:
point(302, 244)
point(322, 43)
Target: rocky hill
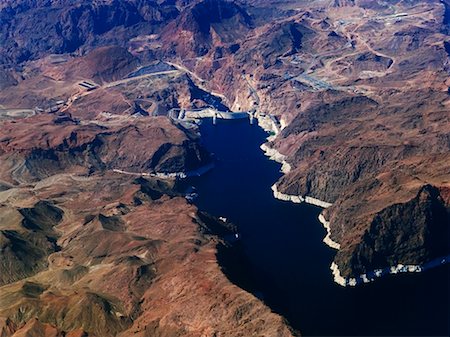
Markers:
point(93, 256)
point(95, 226)
point(70, 26)
point(95, 236)
point(65, 145)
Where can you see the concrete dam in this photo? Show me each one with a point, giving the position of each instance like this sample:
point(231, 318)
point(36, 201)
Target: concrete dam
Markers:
point(209, 112)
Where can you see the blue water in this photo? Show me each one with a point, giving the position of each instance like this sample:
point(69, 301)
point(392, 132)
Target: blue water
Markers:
point(286, 260)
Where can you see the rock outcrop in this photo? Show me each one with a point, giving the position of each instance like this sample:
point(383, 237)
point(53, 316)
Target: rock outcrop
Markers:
point(151, 146)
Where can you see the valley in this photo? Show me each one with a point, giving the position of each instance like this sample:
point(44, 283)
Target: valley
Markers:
point(121, 203)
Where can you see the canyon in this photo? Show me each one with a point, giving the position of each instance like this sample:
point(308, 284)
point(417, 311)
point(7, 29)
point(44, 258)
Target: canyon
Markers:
point(97, 237)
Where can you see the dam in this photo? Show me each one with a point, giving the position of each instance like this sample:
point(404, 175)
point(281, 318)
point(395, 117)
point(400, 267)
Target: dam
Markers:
point(208, 112)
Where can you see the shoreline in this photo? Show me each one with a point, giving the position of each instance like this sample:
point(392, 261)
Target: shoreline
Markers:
point(277, 157)
point(269, 126)
point(378, 273)
point(299, 198)
point(327, 239)
point(180, 175)
point(363, 278)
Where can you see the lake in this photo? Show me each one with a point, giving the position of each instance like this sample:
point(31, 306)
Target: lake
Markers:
point(284, 260)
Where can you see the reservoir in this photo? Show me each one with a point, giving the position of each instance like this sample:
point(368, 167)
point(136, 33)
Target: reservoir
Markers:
point(284, 261)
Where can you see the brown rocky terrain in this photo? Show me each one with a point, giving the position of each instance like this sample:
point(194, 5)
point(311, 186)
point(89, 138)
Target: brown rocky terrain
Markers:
point(67, 145)
point(73, 25)
point(112, 255)
point(93, 243)
point(96, 236)
point(361, 93)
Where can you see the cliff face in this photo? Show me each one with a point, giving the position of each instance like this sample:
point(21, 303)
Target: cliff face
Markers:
point(410, 233)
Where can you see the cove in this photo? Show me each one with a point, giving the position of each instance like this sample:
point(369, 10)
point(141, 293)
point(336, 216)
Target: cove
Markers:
point(285, 262)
